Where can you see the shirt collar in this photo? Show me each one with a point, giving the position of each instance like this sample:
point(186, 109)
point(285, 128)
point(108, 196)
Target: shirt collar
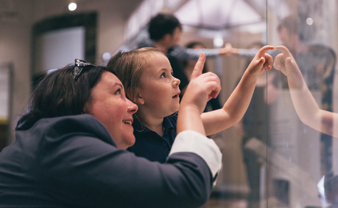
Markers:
point(168, 126)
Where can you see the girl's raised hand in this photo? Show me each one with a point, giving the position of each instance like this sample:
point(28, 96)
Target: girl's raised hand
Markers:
point(202, 87)
point(262, 61)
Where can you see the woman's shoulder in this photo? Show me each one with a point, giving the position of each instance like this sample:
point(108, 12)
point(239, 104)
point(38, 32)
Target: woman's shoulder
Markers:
point(75, 125)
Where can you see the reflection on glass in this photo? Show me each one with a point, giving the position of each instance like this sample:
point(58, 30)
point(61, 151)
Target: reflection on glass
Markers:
point(290, 124)
point(301, 121)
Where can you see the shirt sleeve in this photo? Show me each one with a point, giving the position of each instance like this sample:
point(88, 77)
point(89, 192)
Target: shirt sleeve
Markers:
point(86, 171)
point(191, 141)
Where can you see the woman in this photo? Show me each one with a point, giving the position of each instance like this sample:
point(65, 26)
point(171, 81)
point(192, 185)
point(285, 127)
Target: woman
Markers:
point(70, 148)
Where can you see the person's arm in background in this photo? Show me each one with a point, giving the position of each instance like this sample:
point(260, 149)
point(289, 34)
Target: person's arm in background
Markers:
point(242, 52)
point(238, 102)
point(305, 105)
point(190, 53)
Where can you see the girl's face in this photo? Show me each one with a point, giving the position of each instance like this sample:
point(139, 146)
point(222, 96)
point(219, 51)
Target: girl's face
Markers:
point(110, 106)
point(158, 94)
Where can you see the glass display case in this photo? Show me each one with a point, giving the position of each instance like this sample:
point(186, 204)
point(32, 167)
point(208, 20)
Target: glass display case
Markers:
point(288, 133)
point(300, 148)
point(282, 153)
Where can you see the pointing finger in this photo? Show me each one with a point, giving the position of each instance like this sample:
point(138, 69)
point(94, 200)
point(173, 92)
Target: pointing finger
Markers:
point(198, 67)
point(264, 49)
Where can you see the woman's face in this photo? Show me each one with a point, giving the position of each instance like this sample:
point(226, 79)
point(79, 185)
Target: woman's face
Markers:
point(110, 106)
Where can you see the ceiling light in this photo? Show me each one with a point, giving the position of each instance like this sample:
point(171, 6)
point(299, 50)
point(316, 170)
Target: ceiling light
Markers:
point(72, 6)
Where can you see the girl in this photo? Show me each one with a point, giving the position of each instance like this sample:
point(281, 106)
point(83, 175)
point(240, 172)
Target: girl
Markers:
point(147, 77)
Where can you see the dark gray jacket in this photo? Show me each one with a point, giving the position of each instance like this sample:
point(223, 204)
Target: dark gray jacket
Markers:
point(72, 161)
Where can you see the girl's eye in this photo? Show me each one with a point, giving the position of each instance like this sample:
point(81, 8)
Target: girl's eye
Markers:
point(163, 75)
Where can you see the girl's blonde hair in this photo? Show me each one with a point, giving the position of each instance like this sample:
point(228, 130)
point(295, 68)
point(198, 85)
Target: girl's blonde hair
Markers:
point(128, 67)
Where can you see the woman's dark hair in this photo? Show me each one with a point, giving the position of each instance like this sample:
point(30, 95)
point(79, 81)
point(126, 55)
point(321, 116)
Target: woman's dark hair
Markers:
point(59, 94)
point(162, 24)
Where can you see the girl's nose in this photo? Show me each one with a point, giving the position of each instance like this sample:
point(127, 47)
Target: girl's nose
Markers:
point(176, 82)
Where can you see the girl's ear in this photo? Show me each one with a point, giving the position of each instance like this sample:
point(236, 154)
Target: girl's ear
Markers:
point(138, 99)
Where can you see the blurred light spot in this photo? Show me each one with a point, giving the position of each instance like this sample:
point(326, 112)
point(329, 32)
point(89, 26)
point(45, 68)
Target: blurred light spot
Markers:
point(106, 56)
point(218, 41)
point(72, 6)
point(309, 21)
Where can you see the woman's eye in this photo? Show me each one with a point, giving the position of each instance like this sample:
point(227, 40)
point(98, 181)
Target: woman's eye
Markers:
point(163, 75)
point(118, 91)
